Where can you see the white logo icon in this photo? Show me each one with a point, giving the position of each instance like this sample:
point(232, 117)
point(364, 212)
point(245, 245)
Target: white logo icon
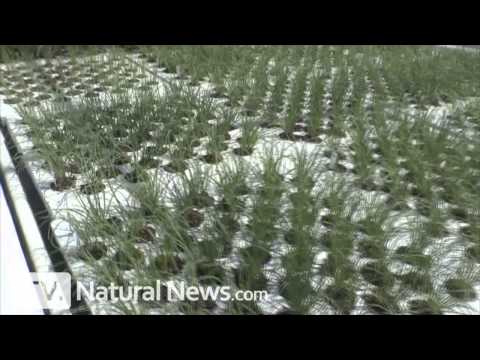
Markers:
point(54, 290)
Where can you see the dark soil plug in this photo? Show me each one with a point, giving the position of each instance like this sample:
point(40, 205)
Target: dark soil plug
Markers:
point(135, 176)
point(419, 282)
point(297, 291)
point(289, 136)
point(459, 213)
point(210, 274)
point(460, 289)
point(12, 101)
point(230, 205)
point(168, 264)
point(243, 151)
point(63, 183)
point(149, 163)
point(380, 303)
point(214, 158)
point(413, 257)
point(151, 151)
point(202, 200)
point(176, 167)
point(127, 259)
point(43, 97)
point(371, 249)
point(256, 255)
point(377, 274)
point(193, 217)
point(114, 224)
point(313, 138)
point(306, 182)
point(367, 185)
point(246, 278)
point(337, 266)
point(294, 237)
point(95, 250)
point(215, 248)
point(468, 231)
point(32, 103)
point(92, 188)
point(120, 133)
point(341, 298)
point(473, 253)
point(108, 172)
point(129, 147)
point(424, 307)
point(73, 168)
point(146, 234)
point(121, 159)
point(329, 221)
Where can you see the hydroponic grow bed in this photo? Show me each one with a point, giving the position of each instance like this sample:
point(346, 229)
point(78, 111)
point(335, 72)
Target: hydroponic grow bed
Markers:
point(341, 180)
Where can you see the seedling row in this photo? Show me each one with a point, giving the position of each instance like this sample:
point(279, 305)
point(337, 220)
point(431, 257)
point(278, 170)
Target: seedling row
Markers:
point(341, 180)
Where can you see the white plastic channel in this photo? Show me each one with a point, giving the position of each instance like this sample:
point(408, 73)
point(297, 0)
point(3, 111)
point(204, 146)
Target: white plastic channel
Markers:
point(17, 294)
point(33, 242)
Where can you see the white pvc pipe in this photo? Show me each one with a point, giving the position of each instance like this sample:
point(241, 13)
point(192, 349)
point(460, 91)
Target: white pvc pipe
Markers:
point(17, 293)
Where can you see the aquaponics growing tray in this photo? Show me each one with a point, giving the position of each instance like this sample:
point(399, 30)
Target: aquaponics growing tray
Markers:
point(53, 240)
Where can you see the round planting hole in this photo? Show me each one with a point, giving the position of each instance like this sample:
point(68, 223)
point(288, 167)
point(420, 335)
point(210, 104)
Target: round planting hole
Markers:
point(94, 250)
point(336, 265)
point(459, 213)
point(473, 253)
point(416, 281)
point(193, 217)
point(146, 234)
point(341, 298)
point(168, 264)
point(256, 255)
point(424, 307)
point(213, 158)
point(63, 183)
point(43, 97)
point(149, 163)
point(92, 188)
point(243, 151)
point(460, 289)
point(247, 278)
point(12, 101)
point(413, 257)
point(176, 167)
point(371, 249)
point(377, 274)
point(202, 200)
point(151, 151)
point(127, 259)
point(210, 273)
point(380, 303)
point(121, 159)
point(108, 172)
point(135, 176)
